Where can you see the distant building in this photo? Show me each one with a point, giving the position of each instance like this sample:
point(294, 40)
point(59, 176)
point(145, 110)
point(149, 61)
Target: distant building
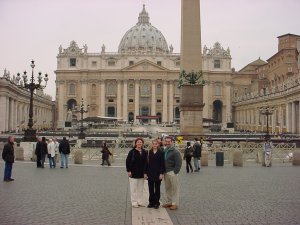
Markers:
point(14, 104)
point(139, 82)
point(276, 84)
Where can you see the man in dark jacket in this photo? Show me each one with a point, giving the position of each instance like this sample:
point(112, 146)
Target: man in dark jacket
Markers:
point(8, 155)
point(38, 153)
point(64, 150)
point(197, 154)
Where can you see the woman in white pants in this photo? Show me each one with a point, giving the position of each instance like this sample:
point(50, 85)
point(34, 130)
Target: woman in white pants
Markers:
point(135, 166)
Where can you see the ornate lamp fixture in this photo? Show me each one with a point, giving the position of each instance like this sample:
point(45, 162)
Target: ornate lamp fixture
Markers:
point(30, 133)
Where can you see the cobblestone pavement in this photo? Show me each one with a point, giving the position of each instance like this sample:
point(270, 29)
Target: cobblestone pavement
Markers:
point(90, 194)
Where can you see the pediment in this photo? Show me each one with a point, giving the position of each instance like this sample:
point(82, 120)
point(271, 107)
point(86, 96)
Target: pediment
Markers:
point(144, 65)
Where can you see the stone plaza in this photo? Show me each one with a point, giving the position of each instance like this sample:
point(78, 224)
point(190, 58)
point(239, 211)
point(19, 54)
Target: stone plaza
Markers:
point(91, 194)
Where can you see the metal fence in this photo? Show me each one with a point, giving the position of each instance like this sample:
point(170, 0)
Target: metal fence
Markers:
point(282, 152)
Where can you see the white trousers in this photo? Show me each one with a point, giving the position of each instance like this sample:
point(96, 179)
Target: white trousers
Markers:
point(136, 190)
point(172, 188)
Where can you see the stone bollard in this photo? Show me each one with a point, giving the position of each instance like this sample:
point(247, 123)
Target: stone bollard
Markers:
point(237, 158)
point(78, 155)
point(19, 153)
point(296, 158)
point(33, 157)
point(204, 158)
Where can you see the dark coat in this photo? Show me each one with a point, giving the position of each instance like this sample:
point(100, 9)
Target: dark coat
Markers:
point(136, 163)
point(44, 148)
point(197, 150)
point(188, 153)
point(8, 153)
point(105, 153)
point(155, 165)
point(64, 147)
point(41, 148)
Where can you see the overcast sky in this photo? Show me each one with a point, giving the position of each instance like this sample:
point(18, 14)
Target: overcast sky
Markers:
point(34, 29)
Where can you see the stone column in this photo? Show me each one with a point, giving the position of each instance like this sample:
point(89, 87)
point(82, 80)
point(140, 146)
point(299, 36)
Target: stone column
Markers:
point(102, 99)
point(7, 114)
point(60, 104)
point(171, 101)
point(137, 99)
point(293, 117)
point(288, 117)
point(119, 99)
point(10, 125)
point(165, 102)
point(84, 91)
point(298, 117)
point(153, 101)
point(125, 101)
point(3, 114)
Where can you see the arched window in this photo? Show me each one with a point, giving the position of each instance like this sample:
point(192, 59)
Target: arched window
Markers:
point(158, 89)
point(131, 89)
point(93, 89)
point(218, 90)
point(111, 88)
point(72, 89)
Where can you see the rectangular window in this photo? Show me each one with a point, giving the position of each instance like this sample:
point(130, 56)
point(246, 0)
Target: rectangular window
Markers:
point(110, 100)
point(177, 63)
point(217, 64)
point(158, 63)
point(111, 63)
point(131, 63)
point(131, 100)
point(177, 100)
point(94, 64)
point(158, 100)
point(72, 61)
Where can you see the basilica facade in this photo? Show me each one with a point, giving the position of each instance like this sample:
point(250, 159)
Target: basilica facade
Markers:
point(140, 81)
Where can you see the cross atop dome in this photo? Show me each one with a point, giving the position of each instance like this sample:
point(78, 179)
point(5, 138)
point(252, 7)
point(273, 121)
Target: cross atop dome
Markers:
point(143, 17)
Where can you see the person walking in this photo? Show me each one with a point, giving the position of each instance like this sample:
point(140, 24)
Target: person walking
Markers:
point(154, 172)
point(64, 150)
point(105, 154)
point(56, 150)
point(8, 155)
point(43, 151)
point(38, 152)
point(173, 162)
point(51, 153)
point(197, 154)
point(267, 148)
point(135, 166)
point(188, 153)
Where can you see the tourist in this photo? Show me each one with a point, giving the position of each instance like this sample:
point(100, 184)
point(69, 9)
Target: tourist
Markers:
point(43, 151)
point(8, 155)
point(56, 149)
point(197, 154)
point(38, 152)
point(64, 150)
point(267, 148)
point(51, 153)
point(105, 154)
point(188, 153)
point(135, 166)
point(154, 172)
point(173, 162)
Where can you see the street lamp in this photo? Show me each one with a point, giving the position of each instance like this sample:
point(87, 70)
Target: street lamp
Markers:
point(267, 111)
point(30, 133)
point(81, 110)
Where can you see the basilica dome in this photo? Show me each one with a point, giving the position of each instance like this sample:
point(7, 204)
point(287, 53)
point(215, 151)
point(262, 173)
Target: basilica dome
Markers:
point(143, 38)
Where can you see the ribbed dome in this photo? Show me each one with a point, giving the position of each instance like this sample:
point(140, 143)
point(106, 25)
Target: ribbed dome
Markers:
point(143, 38)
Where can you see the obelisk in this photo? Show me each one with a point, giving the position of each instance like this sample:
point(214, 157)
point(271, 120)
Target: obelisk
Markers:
point(191, 90)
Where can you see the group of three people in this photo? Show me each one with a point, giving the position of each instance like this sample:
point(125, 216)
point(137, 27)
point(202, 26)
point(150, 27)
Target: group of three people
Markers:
point(154, 165)
point(51, 149)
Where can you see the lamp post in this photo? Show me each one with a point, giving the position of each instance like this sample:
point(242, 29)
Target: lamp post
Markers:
point(81, 110)
point(267, 111)
point(30, 133)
